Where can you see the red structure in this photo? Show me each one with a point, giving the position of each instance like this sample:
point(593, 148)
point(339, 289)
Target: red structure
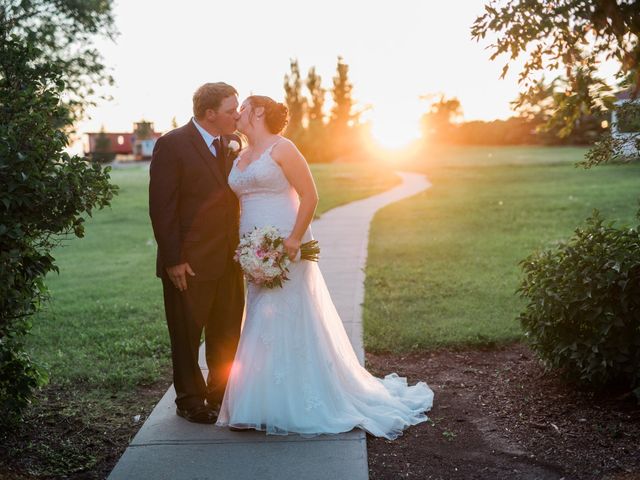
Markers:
point(120, 143)
point(125, 143)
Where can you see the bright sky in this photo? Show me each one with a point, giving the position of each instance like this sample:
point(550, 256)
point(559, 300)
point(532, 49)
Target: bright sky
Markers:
point(396, 51)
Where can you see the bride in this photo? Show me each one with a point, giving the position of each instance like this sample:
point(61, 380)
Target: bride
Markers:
point(295, 370)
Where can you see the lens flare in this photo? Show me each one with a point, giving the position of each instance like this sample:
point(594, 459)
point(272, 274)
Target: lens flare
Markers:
point(395, 128)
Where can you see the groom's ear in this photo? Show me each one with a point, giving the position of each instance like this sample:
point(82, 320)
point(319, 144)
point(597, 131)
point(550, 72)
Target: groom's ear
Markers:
point(210, 114)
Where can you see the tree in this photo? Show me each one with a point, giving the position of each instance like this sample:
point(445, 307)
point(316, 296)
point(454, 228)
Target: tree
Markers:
point(437, 123)
point(316, 97)
point(315, 139)
point(44, 192)
point(102, 151)
point(553, 115)
point(575, 36)
point(569, 36)
point(143, 130)
point(64, 31)
point(343, 116)
point(513, 131)
point(295, 100)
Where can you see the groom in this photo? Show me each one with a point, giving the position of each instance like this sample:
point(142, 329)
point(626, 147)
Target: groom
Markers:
point(195, 218)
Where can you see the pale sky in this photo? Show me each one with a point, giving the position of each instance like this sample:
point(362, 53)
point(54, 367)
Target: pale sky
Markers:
point(396, 51)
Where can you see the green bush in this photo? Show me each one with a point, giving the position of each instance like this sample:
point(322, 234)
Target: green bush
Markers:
point(20, 375)
point(583, 312)
point(44, 196)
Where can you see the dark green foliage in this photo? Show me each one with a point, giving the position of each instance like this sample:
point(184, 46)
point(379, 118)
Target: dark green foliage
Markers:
point(143, 130)
point(64, 31)
point(43, 190)
point(556, 115)
point(583, 312)
point(629, 118)
point(103, 152)
point(571, 36)
point(20, 375)
point(623, 147)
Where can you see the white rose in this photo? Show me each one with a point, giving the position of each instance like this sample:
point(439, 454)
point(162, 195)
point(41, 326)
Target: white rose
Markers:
point(234, 146)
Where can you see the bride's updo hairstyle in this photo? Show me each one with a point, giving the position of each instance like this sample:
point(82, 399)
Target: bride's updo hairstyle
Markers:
point(276, 115)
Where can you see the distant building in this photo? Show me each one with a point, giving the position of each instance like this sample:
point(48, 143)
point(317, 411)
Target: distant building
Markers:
point(119, 143)
point(626, 129)
point(136, 145)
point(144, 148)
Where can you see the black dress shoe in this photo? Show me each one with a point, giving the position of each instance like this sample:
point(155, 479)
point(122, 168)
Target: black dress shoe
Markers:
point(198, 415)
point(214, 403)
point(240, 429)
point(214, 397)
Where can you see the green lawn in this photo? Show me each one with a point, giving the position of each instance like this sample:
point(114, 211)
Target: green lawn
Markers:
point(443, 265)
point(105, 326)
point(442, 270)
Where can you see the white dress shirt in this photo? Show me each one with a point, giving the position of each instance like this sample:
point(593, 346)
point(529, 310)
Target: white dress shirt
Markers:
point(208, 138)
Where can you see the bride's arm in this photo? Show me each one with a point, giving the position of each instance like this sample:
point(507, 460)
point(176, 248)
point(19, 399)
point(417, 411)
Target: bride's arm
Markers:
point(297, 171)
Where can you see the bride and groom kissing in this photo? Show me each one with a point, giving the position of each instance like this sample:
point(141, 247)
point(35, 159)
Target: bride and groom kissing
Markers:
point(282, 363)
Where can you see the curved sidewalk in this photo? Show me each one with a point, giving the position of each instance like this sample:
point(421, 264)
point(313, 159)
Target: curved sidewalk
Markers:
point(168, 447)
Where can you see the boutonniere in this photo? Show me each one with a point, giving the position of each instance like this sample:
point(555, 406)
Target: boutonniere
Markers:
point(234, 149)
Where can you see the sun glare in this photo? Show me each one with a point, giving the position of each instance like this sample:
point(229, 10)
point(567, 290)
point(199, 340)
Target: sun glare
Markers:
point(394, 131)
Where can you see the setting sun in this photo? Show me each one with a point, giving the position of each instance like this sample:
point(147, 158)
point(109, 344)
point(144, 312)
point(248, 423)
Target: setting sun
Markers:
point(394, 130)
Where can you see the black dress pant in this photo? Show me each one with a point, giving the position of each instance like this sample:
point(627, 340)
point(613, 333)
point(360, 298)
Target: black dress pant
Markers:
point(217, 307)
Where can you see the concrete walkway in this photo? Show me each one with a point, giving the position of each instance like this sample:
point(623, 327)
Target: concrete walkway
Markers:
point(169, 447)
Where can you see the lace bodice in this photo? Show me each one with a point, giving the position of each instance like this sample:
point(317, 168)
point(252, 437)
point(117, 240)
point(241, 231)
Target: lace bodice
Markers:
point(266, 196)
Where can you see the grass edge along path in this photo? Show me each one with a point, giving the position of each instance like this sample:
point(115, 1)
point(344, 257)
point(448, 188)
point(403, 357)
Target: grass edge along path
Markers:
point(443, 266)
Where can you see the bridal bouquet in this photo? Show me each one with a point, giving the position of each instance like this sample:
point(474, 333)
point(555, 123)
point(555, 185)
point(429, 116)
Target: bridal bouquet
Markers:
point(263, 259)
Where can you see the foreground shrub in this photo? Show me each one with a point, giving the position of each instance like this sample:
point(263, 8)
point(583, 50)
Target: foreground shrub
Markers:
point(45, 193)
point(583, 311)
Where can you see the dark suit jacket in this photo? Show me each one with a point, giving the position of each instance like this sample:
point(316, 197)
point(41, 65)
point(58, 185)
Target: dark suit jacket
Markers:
point(194, 213)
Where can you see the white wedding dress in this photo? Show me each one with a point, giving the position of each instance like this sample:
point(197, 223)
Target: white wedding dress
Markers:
point(295, 370)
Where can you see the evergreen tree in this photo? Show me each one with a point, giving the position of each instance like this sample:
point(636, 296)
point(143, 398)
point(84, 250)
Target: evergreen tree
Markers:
point(295, 100)
point(315, 143)
point(316, 97)
point(102, 152)
point(342, 117)
point(143, 130)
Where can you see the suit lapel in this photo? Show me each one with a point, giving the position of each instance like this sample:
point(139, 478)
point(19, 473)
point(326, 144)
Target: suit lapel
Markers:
point(204, 153)
point(228, 161)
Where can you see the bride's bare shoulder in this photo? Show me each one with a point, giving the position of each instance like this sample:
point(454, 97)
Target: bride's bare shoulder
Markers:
point(285, 151)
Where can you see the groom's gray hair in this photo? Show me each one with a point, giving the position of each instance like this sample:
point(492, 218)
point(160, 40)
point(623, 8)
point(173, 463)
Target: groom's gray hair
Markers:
point(209, 96)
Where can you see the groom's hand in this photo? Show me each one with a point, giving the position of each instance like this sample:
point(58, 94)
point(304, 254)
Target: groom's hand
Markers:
point(178, 275)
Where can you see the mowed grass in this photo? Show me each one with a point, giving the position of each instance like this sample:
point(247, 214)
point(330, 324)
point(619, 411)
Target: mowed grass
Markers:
point(104, 325)
point(443, 265)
